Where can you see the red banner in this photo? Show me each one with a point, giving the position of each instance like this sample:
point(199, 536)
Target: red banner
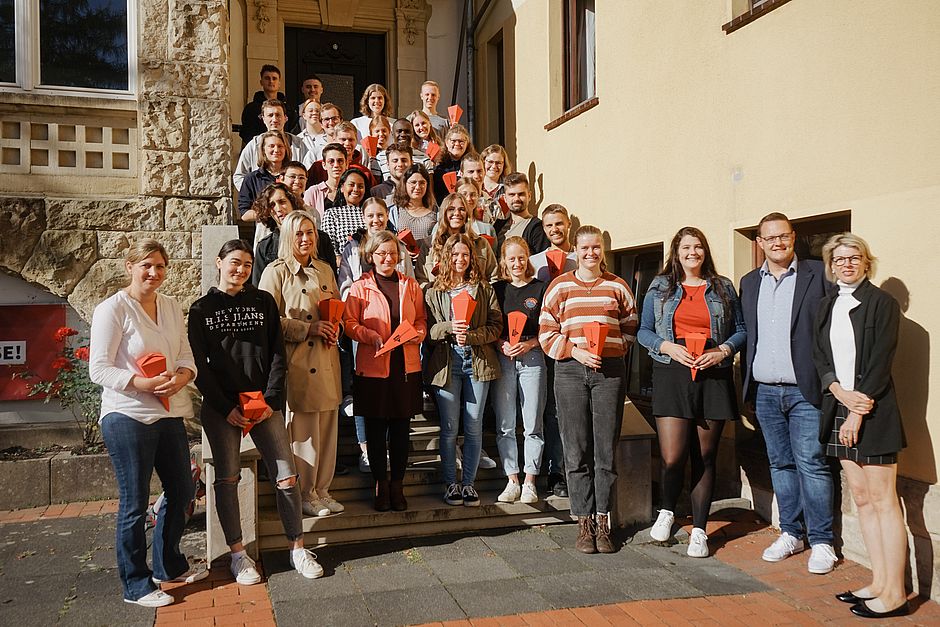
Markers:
point(27, 342)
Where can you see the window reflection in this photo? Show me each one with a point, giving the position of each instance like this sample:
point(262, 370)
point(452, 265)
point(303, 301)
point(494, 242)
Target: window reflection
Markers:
point(7, 42)
point(83, 43)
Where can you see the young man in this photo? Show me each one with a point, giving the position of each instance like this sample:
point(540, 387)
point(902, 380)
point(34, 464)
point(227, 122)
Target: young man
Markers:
point(318, 195)
point(347, 137)
point(274, 115)
point(399, 160)
point(331, 116)
point(430, 96)
point(312, 89)
point(403, 133)
point(780, 300)
point(520, 222)
point(252, 124)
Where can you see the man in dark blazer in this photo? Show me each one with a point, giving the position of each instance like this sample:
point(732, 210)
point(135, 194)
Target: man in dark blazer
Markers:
point(780, 300)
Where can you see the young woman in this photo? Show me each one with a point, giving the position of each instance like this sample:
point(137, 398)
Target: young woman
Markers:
point(275, 152)
point(525, 375)
point(424, 132)
point(414, 207)
point(856, 339)
point(463, 362)
point(375, 102)
point(324, 195)
point(141, 434)
point(495, 165)
point(245, 356)
point(590, 382)
point(298, 281)
point(690, 298)
point(454, 216)
point(379, 128)
point(341, 222)
point(387, 388)
point(457, 145)
point(312, 132)
point(482, 213)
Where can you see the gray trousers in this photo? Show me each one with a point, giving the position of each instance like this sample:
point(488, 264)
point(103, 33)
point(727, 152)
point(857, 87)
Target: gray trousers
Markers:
point(590, 412)
point(270, 437)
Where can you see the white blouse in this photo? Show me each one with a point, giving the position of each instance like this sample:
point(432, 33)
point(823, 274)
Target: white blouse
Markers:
point(842, 335)
point(121, 332)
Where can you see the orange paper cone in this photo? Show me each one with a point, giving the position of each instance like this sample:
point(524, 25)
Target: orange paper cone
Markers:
point(503, 205)
point(253, 406)
point(404, 333)
point(463, 305)
point(153, 365)
point(408, 239)
point(489, 238)
point(432, 150)
point(331, 310)
point(450, 180)
point(454, 112)
point(371, 144)
point(517, 321)
point(695, 344)
point(436, 269)
point(595, 333)
point(556, 262)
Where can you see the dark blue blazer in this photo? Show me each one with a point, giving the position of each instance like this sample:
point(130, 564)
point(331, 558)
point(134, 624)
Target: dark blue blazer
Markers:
point(811, 287)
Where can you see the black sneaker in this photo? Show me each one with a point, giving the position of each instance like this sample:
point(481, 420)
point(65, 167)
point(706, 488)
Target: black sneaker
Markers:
point(452, 495)
point(559, 487)
point(470, 496)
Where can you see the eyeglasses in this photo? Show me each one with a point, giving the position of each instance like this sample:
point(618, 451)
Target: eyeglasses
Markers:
point(391, 254)
point(294, 177)
point(783, 238)
point(854, 260)
point(332, 118)
point(492, 162)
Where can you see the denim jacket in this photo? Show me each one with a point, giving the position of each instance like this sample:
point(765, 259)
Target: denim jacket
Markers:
point(656, 324)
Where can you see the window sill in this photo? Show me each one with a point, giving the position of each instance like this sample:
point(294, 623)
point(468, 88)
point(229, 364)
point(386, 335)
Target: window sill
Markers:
point(117, 101)
point(573, 112)
point(749, 16)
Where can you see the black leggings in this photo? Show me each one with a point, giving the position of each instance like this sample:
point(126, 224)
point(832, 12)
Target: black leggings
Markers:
point(680, 438)
point(398, 432)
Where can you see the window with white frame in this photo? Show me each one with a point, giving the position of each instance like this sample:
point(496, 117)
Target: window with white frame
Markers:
point(67, 45)
point(579, 51)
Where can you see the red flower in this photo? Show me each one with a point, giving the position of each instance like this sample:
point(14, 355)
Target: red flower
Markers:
point(64, 332)
point(61, 363)
point(81, 353)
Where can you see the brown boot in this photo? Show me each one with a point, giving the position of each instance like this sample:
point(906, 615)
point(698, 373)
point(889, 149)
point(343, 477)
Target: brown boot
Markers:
point(397, 495)
point(585, 541)
point(381, 496)
point(604, 543)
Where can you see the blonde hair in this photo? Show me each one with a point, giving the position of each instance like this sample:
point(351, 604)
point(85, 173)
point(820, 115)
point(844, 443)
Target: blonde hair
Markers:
point(432, 134)
point(308, 102)
point(262, 159)
point(379, 120)
point(364, 101)
point(143, 248)
point(850, 240)
point(515, 240)
point(497, 149)
point(290, 224)
point(588, 229)
point(372, 243)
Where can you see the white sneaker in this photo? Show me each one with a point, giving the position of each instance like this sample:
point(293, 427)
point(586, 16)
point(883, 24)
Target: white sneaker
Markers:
point(510, 493)
point(486, 461)
point(306, 564)
point(244, 571)
point(662, 528)
point(698, 543)
point(346, 407)
point(529, 493)
point(332, 504)
point(364, 466)
point(194, 574)
point(315, 508)
point(452, 495)
point(783, 547)
point(157, 598)
point(458, 458)
point(822, 559)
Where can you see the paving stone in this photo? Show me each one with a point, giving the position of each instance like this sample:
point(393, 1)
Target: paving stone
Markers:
point(368, 554)
point(451, 547)
point(498, 598)
point(99, 600)
point(409, 607)
point(537, 563)
point(534, 539)
point(658, 583)
point(285, 584)
point(625, 558)
point(470, 569)
point(578, 589)
point(348, 611)
point(393, 577)
point(32, 600)
point(563, 535)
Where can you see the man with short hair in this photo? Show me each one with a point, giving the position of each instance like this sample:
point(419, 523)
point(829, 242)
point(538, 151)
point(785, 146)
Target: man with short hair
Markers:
point(520, 222)
point(348, 138)
point(310, 89)
point(398, 157)
point(274, 115)
point(403, 133)
point(331, 116)
point(252, 124)
point(780, 300)
point(430, 96)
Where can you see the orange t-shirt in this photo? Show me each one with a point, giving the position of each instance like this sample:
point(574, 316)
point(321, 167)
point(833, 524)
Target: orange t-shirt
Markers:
point(692, 313)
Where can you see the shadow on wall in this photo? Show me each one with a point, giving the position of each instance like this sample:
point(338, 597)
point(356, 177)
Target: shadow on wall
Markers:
point(537, 188)
point(912, 384)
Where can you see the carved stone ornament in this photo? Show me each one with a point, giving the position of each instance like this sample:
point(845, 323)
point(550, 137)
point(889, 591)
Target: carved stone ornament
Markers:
point(261, 15)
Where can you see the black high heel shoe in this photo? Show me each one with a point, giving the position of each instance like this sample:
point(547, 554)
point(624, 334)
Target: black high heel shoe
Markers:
point(848, 597)
point(860, 609)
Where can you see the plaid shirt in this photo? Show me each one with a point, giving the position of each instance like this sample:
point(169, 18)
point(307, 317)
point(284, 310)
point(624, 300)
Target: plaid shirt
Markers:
point(340, 223)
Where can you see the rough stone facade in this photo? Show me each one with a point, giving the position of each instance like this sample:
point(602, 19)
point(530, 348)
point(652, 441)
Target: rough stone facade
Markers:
point(72, 245)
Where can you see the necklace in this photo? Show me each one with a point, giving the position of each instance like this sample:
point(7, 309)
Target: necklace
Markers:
point(692, 291)
point(590, 288)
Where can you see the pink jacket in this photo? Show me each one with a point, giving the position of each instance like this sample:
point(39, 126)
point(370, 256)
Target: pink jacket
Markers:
point(367, 318)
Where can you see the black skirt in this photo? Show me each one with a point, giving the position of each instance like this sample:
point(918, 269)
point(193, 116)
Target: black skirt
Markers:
point(710, 396)
point(836, 449)
point(397, 396)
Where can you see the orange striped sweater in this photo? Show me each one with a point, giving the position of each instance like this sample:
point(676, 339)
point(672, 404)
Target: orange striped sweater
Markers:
point(569, 305)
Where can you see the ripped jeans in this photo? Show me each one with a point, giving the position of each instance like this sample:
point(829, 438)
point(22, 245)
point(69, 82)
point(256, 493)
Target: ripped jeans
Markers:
point(270, 438)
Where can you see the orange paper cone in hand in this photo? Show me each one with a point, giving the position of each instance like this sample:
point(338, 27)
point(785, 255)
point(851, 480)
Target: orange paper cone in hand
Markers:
point(463, 305)
point(433, 149)
point(503, 205)
point(695, 344)
point(450, 180)
point(489, 238)
point(517, 321)
point(556, 262)
point(595, 333)
point(454, 112)
point(408, 239)
point(371, 144)
point(153, 365)
point(404, 333)
point(331, 310)
point(253, 406)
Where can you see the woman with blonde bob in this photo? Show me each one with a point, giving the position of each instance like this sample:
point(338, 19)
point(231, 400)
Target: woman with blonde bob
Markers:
point(856, 339)
point(457, 145)
point(299, 282)
point(455, 218)
point(495, 165)
point(525, 373)
point(375, 101)
point(142, 421)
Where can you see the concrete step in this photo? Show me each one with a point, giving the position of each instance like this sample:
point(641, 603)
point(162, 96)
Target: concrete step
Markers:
point(426, 515)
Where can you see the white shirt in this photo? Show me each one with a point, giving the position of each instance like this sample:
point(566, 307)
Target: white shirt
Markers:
point(842, 335)
point(121, 332)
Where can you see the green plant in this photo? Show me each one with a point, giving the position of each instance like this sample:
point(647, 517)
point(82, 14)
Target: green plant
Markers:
point(71, 385)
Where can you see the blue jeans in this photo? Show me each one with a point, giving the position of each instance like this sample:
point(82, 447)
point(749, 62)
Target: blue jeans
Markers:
point(462, 398)
point(798, 468)
point(136, 450)
point(522, 384)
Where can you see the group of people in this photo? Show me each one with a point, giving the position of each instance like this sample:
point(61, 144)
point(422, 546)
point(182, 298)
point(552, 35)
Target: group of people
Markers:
point(368, 294)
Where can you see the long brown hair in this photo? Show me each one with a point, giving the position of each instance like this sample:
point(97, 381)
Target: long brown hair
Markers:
point(446, 277)
point(401, 197)
point(442, 234)
point(674, 273)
